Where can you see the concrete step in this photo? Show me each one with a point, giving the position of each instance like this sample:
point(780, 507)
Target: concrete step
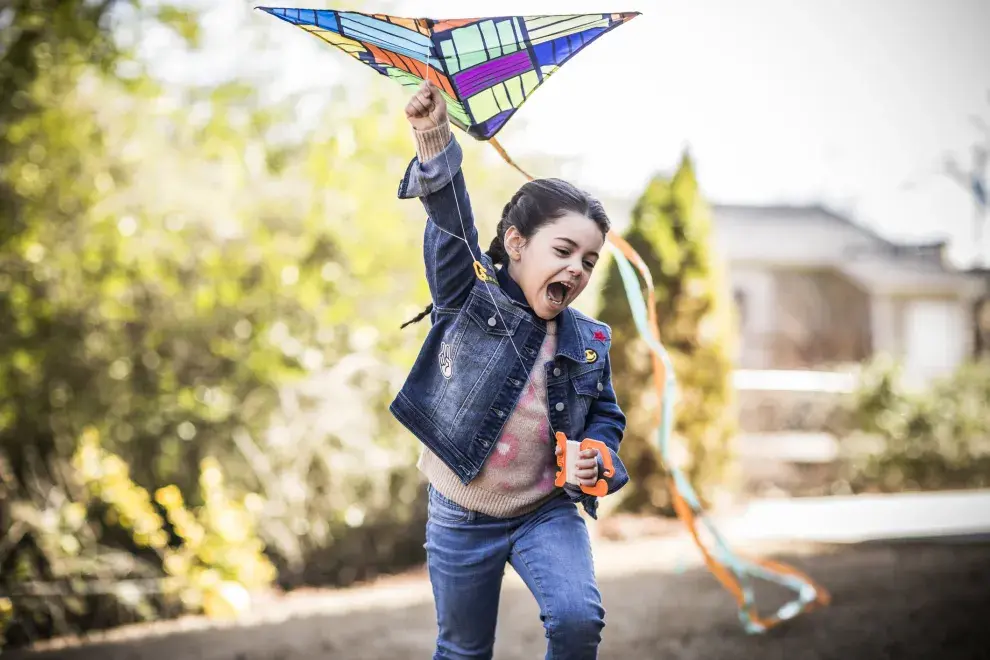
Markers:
point(962, 515)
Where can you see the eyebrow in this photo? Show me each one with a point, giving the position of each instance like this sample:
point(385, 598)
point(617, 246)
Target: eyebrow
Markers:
point(574, 245)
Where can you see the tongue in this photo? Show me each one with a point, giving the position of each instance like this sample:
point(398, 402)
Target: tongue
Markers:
point(555, 291)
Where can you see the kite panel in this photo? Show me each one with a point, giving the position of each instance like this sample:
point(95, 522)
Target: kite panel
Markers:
point(486, 67)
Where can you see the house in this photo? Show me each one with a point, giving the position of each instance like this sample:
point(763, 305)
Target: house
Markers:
point(815, 290)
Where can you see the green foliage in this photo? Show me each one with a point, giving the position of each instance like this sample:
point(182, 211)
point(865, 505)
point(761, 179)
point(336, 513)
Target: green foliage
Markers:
point(671, 230)
point(901, 440)
point(45, 47)
point(215, 557)
point(194, 279)
point(67, 561)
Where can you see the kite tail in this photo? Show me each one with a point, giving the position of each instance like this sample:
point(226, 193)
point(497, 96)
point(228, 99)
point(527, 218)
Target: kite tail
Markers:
point(731, 570)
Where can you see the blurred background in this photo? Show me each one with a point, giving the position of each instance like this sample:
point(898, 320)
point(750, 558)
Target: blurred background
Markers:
point(204, 266)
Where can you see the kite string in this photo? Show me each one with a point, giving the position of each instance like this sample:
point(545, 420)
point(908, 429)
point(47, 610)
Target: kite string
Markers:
point(529, 381)
point(737, 578)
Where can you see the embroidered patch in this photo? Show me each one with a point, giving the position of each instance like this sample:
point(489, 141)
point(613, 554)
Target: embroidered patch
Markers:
point(446, 362)
point(590, 355)
point(483, 273)
point(600, 336)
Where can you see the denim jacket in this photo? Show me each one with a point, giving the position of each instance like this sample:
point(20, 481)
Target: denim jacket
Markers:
point(483, 343)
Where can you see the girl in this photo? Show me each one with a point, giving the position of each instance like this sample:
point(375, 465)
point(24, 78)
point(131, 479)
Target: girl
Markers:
point(506, 364)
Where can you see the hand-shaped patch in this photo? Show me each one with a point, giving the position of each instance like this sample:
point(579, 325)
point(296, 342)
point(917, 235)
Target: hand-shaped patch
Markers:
point(446, 363)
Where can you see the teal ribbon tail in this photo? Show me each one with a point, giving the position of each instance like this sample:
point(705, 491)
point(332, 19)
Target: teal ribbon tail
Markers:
point(744, 571)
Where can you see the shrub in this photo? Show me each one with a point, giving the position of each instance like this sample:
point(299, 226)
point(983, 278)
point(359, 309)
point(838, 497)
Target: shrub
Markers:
point(671, 230)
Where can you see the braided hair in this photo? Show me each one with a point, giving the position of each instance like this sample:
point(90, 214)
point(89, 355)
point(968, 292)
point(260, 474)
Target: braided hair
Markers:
point(536, 204)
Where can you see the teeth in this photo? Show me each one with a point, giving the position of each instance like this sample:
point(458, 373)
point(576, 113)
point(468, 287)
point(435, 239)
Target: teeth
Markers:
point(564, 292)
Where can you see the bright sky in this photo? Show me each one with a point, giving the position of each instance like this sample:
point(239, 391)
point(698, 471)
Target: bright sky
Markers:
point(842, 102)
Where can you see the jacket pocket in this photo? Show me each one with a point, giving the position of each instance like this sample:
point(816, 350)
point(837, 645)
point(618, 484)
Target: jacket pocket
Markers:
point(491, 319)
point(588, 381)
point(584, 392)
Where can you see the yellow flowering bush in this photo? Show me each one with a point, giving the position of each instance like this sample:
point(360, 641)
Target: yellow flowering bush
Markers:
point(215, 558)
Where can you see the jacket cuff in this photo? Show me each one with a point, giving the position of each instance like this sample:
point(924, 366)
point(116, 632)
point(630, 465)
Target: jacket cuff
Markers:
point(425, 177)
point(578, 496)
point(431, 143)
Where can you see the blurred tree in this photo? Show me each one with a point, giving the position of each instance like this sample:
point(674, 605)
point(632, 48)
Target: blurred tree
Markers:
point(671, 230)
point(33, 33)
point(51, 43)
point(975, 181)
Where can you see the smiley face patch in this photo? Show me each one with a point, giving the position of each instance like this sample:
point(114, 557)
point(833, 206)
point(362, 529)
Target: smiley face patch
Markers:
point(590, 356)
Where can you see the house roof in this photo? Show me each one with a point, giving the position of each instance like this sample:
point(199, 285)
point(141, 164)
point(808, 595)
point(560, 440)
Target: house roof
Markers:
point(815, 237)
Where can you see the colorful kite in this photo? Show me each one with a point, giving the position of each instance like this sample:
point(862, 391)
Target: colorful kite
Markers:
point(486, 68)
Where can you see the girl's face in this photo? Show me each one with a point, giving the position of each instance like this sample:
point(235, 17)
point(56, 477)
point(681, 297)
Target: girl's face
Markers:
point(554, 265)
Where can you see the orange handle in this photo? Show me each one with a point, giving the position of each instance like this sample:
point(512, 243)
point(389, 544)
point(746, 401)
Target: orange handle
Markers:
point(561, 478)
point(600, 489)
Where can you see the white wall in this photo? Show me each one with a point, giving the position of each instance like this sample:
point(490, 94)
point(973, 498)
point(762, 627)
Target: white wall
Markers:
point(937, 337)
point(884, 325)
point(757, 287)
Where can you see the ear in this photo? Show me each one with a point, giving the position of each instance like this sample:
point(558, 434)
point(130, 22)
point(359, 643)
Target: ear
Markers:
point(513, 242)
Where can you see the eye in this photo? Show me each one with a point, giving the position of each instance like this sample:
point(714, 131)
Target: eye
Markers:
point(561, 252)
point(590, 265)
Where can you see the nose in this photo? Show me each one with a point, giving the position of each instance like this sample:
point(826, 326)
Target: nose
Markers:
point(574, 269)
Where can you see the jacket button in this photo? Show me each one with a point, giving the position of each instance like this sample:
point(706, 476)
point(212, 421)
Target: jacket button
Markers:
point(600, 387)
point(559, 407)
point(492, 321)
point(556, 372)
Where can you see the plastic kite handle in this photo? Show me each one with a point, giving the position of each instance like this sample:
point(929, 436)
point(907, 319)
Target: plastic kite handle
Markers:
point(600, 489)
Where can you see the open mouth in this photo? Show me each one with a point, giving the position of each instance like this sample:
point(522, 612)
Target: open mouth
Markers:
point(557, 293)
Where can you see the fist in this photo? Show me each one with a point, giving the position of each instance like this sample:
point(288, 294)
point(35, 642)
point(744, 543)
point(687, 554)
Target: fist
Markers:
point(427, 108)
point(586, 466)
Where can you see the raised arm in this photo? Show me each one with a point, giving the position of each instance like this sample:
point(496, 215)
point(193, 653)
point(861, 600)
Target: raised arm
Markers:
point(450, 244)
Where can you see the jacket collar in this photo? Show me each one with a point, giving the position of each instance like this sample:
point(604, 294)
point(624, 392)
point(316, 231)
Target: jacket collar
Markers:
point(568, 337)
point(512, 289)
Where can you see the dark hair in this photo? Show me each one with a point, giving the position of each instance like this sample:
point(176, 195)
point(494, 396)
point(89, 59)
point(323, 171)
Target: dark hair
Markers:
point(535, 204)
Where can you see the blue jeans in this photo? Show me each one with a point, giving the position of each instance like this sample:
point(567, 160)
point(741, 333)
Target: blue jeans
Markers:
point(550, 550)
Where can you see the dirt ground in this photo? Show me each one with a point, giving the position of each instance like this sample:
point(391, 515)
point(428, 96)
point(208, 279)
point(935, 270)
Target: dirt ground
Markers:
point(907, 600)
